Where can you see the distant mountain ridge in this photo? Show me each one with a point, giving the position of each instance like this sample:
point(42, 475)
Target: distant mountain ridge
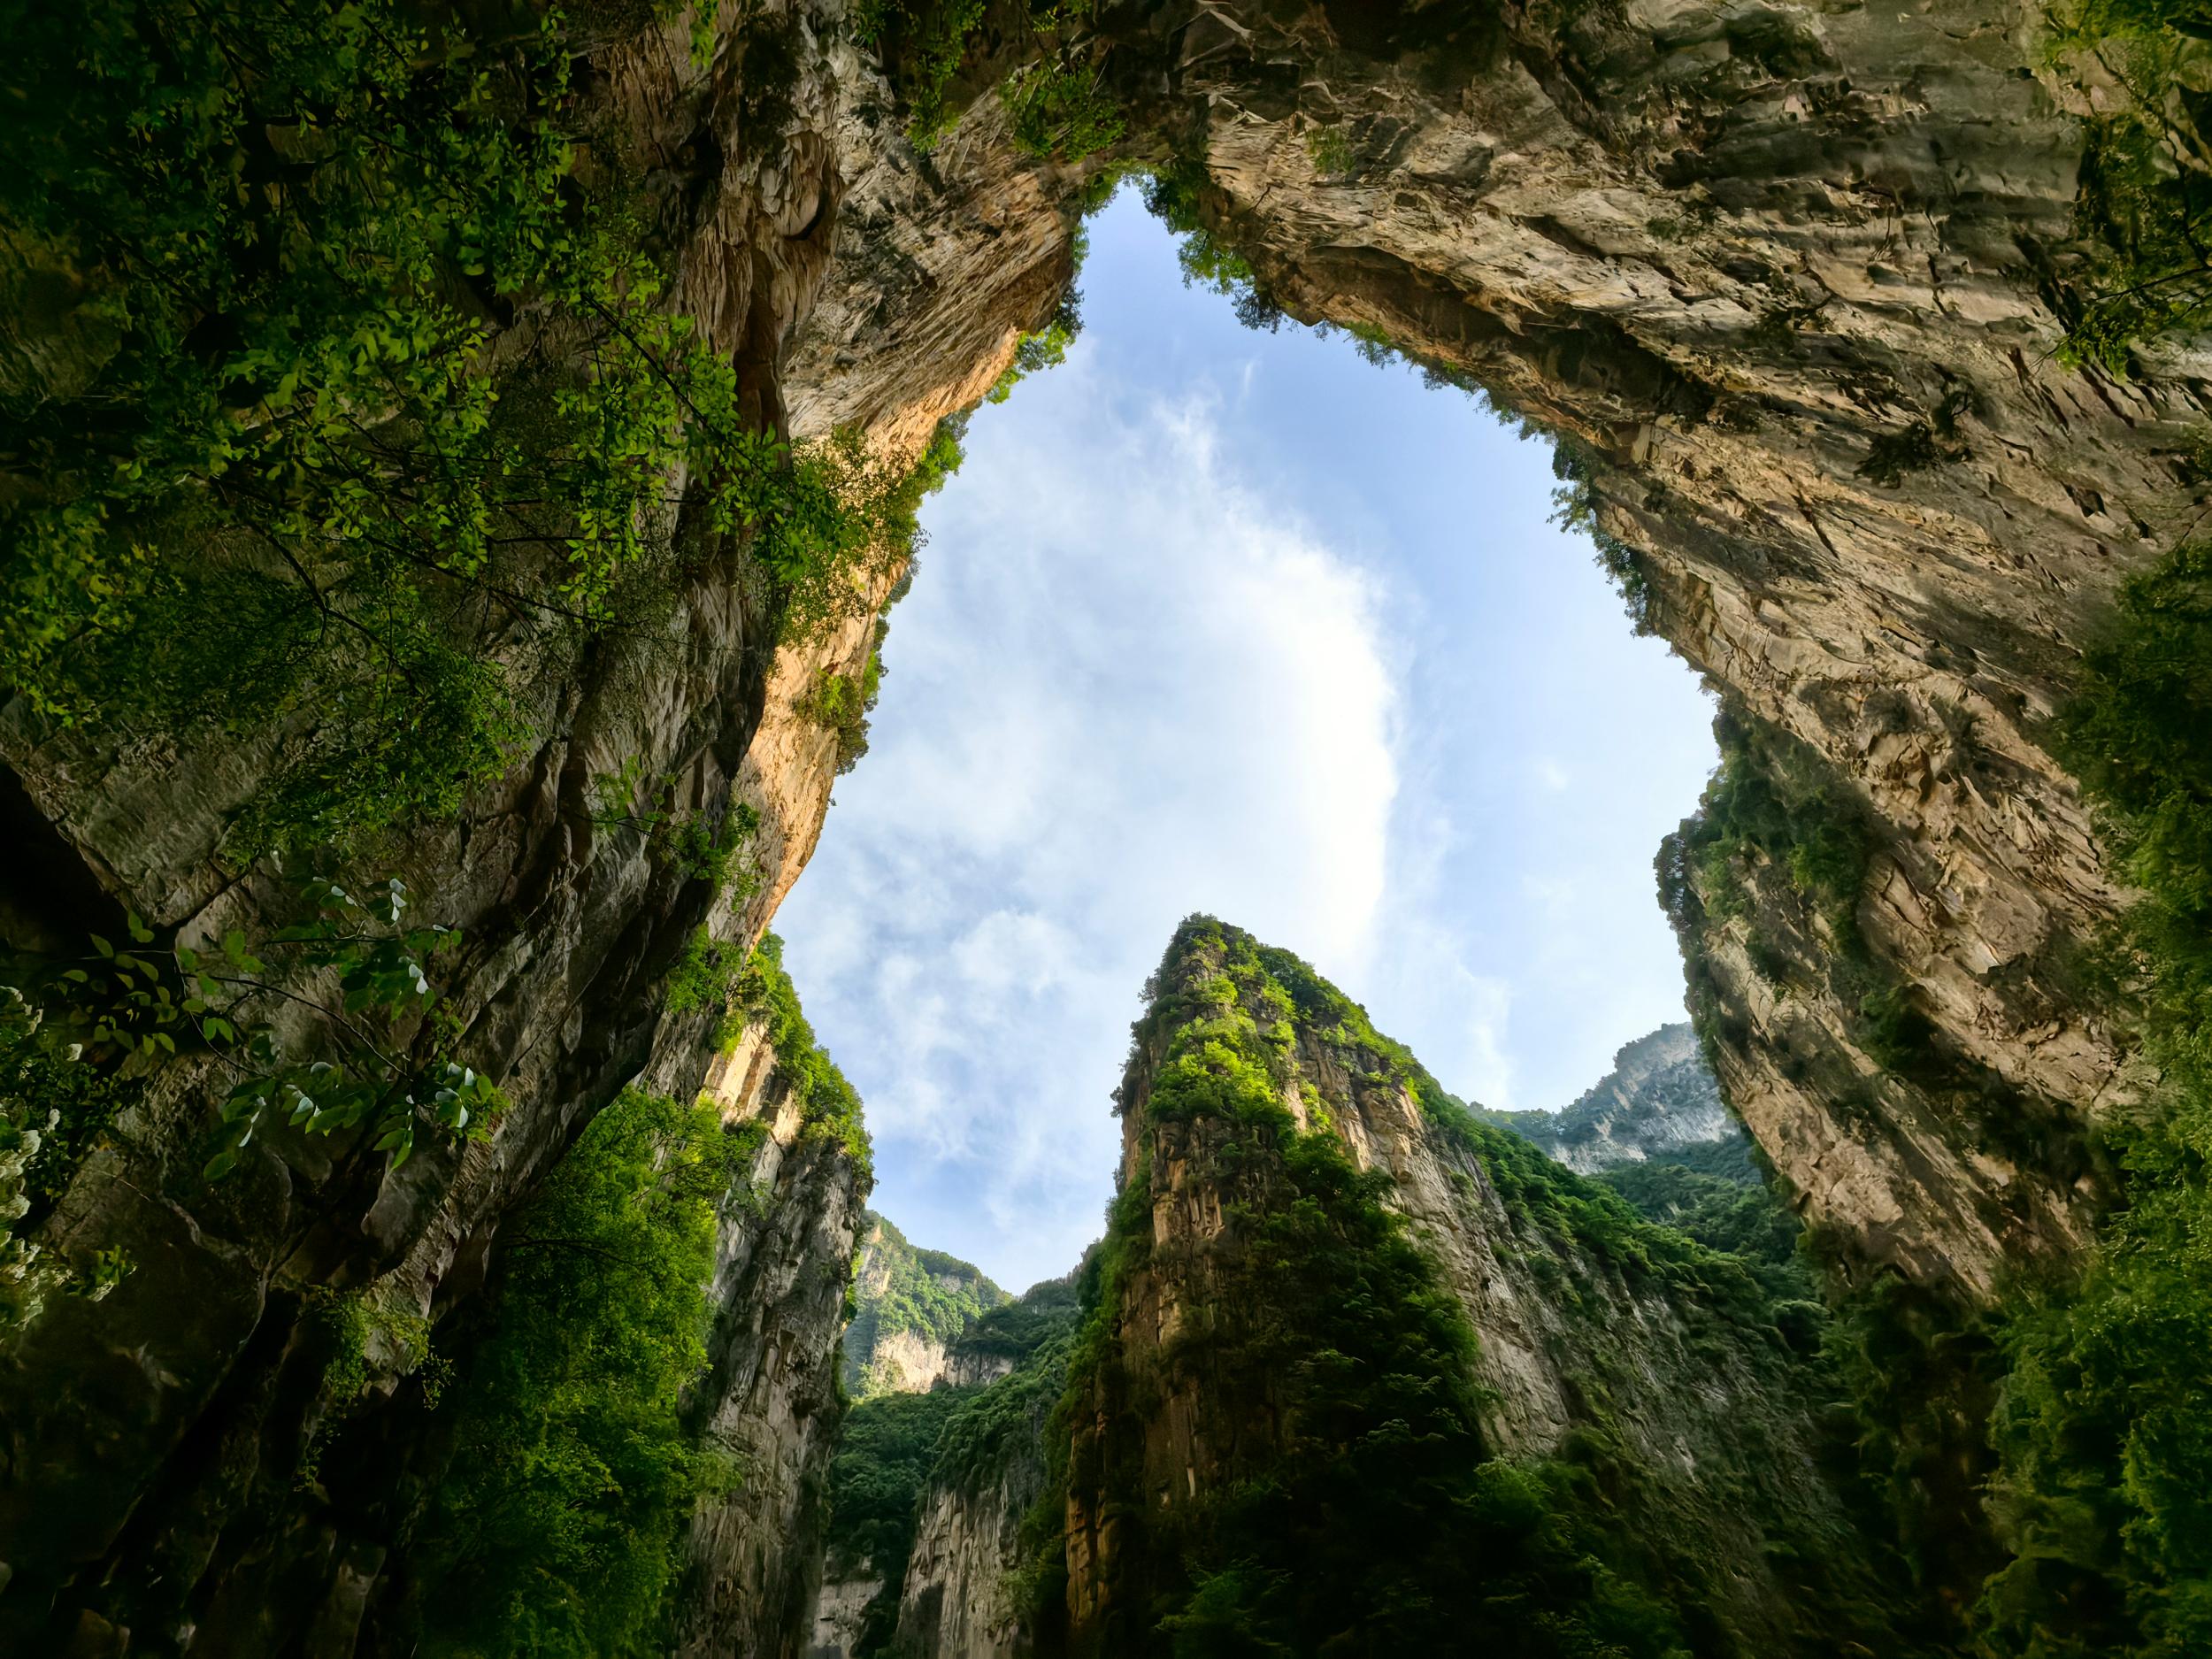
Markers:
point(910, 1306)
point(1658, 1103)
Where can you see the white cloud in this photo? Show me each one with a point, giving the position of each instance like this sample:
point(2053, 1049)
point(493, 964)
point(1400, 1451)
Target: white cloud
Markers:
point(1127, 688)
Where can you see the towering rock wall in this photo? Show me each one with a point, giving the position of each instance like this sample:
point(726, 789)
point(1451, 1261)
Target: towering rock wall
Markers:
point(950, 1582)
point(1584, 1337)
point(151, 1440)
point(769, 1398)
point(963, 1594)
point(1739, 255)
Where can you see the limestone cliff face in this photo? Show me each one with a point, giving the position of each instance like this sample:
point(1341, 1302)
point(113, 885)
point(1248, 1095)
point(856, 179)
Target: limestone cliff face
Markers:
point(958, 1591)
point(911, 1308)
point(1573, 1337)
point(146, 1468)
point(770, 1397)
point(1658, 1098)
point(1728, 249)
point(840, 1610)
point(965, 1594)
point(960, 1596)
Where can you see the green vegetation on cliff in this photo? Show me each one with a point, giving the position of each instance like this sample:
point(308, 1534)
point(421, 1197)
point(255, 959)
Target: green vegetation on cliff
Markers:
point(274, 251)
point(2103, 1428)
point(885, 1449)
point(1363, 1509)
point(894, 1447)
point(1775, 861)
point(2068, 1418)
point(829, 1105)
point(1777, 858)
point(556, 1529)
point(2145, 194)
point(902, 1289)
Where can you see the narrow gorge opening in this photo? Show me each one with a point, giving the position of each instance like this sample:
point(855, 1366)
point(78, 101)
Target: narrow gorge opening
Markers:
point(1252, 622)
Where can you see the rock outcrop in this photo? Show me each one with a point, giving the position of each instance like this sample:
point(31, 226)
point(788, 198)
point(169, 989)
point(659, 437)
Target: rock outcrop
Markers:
point(770, 1398)
point(1714, 1418)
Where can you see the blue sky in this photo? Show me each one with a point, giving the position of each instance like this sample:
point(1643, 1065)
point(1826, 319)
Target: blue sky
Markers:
point(1212, 620)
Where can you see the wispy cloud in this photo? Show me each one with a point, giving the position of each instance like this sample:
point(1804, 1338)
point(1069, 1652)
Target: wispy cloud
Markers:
point(1130, 690)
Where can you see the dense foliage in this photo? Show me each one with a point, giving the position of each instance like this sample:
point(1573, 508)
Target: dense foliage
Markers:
point(885, 1449)
point(1732, 1217)
point(1014, 1330)
point(269, 483)
point(893, 1446)
point(81, 1037)
point(2104, 1426)
point(828, 1106)
point(999, 1424)
point(1055, 99)
point(556, 1529)
point(1175, 195)
point(922, 42)
point(52, 1104)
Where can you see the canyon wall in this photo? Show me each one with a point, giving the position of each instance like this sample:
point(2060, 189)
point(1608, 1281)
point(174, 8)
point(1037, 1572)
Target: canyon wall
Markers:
point(1730, 252)
point(954, 1587)
point(1736, 257)
point(769, 1398)
point(1589, 1343)
point(1658, 1100)
point(147, 1481)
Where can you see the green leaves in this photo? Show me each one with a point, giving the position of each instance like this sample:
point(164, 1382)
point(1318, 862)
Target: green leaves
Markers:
point(555, 1532)
point(138, 1012)
point(829, 1106)
point(288, 488)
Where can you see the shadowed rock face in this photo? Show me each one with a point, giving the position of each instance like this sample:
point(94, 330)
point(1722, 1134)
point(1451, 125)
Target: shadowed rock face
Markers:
point(1730, 250)
point(150, 1444)
point(959, 1593)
